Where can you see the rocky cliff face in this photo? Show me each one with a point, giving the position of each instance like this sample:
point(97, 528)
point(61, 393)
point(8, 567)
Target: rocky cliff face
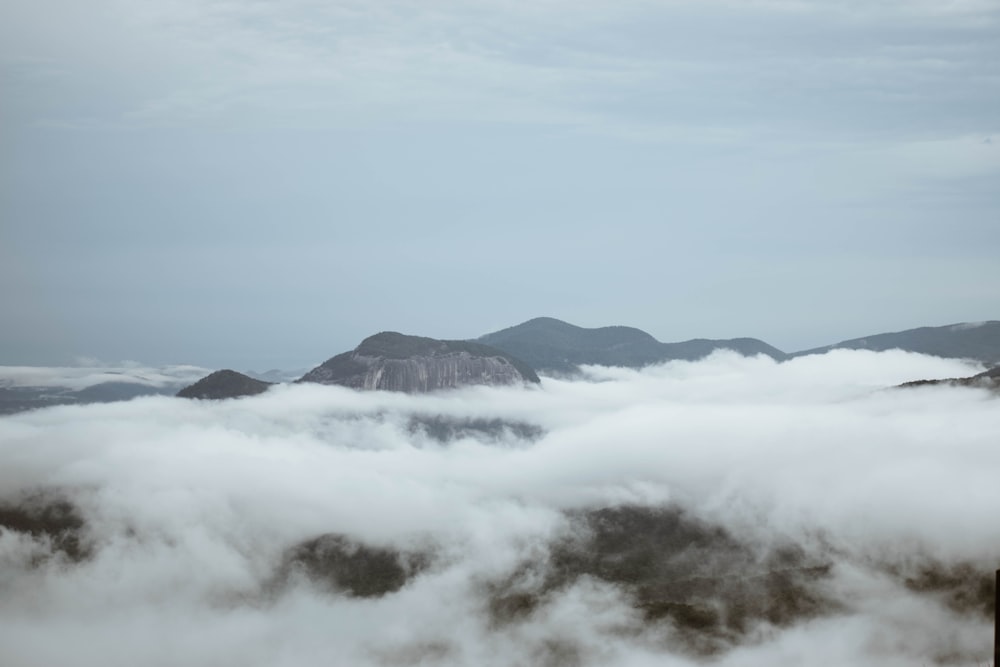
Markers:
point(395, 362)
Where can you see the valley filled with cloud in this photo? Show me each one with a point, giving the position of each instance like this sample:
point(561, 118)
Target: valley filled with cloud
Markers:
point(732, 510)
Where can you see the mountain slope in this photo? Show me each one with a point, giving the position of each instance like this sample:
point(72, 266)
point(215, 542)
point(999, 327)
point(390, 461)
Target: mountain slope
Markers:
point(224, 384)
point(968, 340)
point(986, 380)
point(553, 345)
point(397, 362)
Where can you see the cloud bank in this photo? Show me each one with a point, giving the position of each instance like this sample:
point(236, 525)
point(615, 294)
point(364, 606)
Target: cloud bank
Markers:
point(733, 508)
point(92, 372)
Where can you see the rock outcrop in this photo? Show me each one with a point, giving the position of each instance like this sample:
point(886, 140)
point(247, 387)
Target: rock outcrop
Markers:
point(413, 364)
point(224, 384)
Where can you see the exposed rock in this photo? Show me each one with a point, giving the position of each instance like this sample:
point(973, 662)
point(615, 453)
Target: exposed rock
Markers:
point(551, 345)
point(396, 362)
point(224, 384)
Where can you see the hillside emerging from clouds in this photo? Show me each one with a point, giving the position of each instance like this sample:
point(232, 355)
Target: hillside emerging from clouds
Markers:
point(398, 362)
point(966, 340)
point(548, 344)
point(734, 511)
point(395, 361)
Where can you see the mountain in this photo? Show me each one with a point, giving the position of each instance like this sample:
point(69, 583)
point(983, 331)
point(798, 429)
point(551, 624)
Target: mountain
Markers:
point(224, 384)
point(397, 362)
point(553, 345)
point(979, 341)
point(986, 380)
point(276, 375)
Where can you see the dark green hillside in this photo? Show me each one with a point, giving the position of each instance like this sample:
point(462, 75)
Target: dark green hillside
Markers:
point(698, 348)
point(552, 345)
point(224, 384)
point(970, 340)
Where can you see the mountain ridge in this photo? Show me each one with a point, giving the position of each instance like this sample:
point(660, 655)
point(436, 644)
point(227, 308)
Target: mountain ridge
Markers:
point(979, 341)
point(222, 384)
point(549, 344)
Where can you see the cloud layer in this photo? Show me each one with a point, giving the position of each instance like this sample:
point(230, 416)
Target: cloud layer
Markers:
point(197, 518)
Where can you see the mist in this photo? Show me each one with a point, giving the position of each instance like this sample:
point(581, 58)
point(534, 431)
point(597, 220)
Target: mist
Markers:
point(732, 510)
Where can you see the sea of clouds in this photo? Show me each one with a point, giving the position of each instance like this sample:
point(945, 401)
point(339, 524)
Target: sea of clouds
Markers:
point(189, 510)
point(89, 372)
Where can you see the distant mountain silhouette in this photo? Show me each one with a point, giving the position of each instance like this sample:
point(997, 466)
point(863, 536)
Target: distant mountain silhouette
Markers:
point(109, 392)
point(414, 364)
point(979, 341)
point(22, 399)
point(548, 344)
point(224, 384)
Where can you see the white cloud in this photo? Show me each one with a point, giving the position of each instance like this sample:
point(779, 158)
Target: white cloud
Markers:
point(191, 505)
point(90, 371)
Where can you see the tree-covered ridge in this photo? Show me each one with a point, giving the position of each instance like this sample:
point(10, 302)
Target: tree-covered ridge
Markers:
point(968, 340)
point(550, 344)
point(224, 384)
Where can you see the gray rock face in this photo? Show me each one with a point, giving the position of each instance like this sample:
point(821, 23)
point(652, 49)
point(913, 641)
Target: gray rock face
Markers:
point(395, 362)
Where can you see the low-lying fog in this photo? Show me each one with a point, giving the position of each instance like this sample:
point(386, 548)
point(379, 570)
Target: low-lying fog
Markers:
point(733, 511)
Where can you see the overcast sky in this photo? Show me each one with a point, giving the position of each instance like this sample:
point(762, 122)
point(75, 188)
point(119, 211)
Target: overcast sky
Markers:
point(260, 183)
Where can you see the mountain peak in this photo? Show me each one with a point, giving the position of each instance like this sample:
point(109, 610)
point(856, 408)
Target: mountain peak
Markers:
point(415, 364)
point(224, 384)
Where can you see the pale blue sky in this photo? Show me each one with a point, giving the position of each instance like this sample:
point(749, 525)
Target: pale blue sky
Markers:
point(259, 184)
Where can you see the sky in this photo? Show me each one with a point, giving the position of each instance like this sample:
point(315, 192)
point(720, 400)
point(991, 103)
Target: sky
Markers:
point(262, 184)
point(189, 509)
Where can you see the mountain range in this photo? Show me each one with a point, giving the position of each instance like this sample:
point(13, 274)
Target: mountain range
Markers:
point(551, 345)
point(979, 341)
point(395, 361)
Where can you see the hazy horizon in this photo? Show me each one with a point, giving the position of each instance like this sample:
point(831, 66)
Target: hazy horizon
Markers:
point(289, 362)
point(267, 183)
